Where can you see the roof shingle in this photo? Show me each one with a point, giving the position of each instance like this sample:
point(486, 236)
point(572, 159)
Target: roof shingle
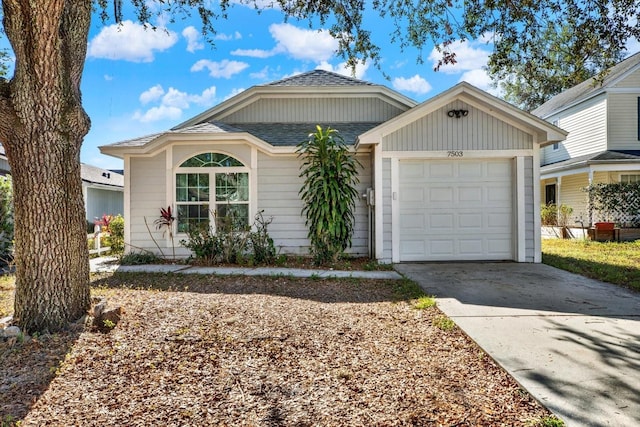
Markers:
point(319, 78)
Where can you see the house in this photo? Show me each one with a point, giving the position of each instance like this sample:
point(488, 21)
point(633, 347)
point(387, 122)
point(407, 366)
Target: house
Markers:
point(603, 143)
point(102, 189)
point(453, 178)
point(103, 192)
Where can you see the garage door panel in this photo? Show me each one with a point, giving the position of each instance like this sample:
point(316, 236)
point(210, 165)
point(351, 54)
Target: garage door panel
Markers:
point(459, 210)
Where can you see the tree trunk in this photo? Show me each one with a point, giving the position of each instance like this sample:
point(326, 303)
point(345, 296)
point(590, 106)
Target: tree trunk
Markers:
point(42, 125)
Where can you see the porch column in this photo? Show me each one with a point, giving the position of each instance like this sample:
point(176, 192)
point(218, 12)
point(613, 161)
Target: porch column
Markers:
point(589, 202)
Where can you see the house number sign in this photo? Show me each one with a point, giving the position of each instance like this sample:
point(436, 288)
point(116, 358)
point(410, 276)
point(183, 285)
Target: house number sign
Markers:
point(455, 153)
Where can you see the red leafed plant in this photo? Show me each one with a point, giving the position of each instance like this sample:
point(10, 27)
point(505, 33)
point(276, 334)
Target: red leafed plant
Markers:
point(104, 222)
point(165, 221)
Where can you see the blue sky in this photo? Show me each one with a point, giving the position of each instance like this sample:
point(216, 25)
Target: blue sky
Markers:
point(138, 81)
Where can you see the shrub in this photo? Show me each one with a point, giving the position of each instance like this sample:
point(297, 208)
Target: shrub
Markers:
point(205, 245)
point(549, 214)
point(263, 251)
point(6, 219)
point(330, 174)
point(116, 229)
point(138, 258)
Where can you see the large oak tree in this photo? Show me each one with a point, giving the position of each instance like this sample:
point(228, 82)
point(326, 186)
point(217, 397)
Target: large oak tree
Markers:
point(43, 123)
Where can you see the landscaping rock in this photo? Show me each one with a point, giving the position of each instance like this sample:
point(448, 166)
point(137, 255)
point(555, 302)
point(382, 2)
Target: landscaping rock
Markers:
point(107, 319)
point(12, 331)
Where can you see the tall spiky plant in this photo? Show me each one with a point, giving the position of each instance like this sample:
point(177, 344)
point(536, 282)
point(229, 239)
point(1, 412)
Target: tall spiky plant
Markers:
point(329, 192)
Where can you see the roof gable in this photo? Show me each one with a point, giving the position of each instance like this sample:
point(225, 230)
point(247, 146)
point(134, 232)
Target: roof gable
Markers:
point(588, 88)
point(544, 131)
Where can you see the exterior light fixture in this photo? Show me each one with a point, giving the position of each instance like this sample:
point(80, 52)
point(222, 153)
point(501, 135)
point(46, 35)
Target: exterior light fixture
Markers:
point(457, 113)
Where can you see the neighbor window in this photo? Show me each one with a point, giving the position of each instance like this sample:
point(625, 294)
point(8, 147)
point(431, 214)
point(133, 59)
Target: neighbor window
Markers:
point(211, 185)
point(628, 179)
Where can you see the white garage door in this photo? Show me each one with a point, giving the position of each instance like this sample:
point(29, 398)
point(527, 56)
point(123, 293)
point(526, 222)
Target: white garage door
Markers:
point(456, 210)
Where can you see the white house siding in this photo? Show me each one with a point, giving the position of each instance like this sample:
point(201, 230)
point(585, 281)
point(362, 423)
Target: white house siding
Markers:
point(278, 187)
point(103, 202)
point(316, 110)
point(623, 121)
point(438, 132)
point(386, 211)
point(147, 193)
point(587, 131)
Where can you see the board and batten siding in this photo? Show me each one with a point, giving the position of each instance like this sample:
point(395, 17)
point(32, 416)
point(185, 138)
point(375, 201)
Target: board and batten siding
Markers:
point(387, 237)
point(103, 202)
point(278, 187)
point(147, 194)
point(623, 132)
point(439, 132)
point(315, 110)
point(587, 127)
point(529, 210)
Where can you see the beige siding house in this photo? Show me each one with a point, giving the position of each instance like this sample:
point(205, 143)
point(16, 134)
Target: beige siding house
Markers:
point(603, 141)
point(454, 178)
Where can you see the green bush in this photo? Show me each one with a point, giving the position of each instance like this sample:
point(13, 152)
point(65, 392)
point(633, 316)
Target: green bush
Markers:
point(263, 251)
point(138, 258)
point(329, 193)
point(618, 202)
point(6, 218)
point(549, 214)
point(116, 230)
point(205, 245)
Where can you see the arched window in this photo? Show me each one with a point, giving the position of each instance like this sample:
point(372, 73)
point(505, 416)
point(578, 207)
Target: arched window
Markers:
point(208, 186)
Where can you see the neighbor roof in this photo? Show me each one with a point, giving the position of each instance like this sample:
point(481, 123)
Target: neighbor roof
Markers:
point(95, 175)
point(319, 78)
point(607, 156)
point(587, 89)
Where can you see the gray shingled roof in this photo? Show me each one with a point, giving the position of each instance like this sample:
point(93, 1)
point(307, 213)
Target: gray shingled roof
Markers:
point(586, 88)
point(95, 175)
point(209, 127)
point(602, 156)
point(319, 78)
point(290, 134)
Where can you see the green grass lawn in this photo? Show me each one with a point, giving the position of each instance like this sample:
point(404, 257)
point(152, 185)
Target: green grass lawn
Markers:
point(611, 262)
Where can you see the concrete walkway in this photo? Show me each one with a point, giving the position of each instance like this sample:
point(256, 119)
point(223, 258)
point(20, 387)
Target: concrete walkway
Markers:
point(107, 264)
point(572, 342)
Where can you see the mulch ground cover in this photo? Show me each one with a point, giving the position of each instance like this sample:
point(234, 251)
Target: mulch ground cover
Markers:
point(196, 350)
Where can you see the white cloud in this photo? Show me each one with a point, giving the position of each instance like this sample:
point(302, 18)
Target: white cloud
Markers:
point(172, 103)
point(227, 37)
point(224, 68)
point(108, 77)
point(194, 39)
point(152, 94)
point(130, 41)
point(261, 75)
point(254, 53)
point(480, 79)
point(415, 84)
point(163, 112)
point(469, 56)
point(234, 92)
point(303, 44)
point(344, 69)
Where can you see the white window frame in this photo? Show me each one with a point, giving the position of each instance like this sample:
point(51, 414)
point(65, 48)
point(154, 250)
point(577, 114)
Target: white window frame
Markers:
point(212, 172)
point(637, 175)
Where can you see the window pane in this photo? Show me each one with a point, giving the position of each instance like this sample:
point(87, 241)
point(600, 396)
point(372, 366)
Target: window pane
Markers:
point(192, 187)
point(192, 216)
point(211, 160)
point(181, 194)
point(233, 187)
point(232, 214)
point(181, 180)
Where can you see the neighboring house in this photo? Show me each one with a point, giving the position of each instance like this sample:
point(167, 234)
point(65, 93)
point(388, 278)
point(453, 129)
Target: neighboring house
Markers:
point(102, 189)
point(603, 144)
point(103, 192)
point(453, 178)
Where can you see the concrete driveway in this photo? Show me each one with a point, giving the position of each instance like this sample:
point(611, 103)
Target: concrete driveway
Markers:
point(572, 342)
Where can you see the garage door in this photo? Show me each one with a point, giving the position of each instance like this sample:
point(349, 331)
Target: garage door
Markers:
point(456, 210)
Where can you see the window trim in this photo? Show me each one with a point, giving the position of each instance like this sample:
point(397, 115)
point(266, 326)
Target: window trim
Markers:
point(630, 173)
point(211, 171)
